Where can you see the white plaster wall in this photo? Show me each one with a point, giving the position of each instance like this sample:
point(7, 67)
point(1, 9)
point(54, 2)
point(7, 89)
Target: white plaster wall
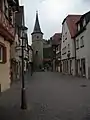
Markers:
point(5, 68)
point(69, 41)
point(85, 51)
point(82, 52)
point(88, 47)
point(66, 42)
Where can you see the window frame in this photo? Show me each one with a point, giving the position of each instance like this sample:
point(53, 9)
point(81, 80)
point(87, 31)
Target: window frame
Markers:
point(4, 53)
point(77, 43)
point(68, 47)
point(1, 54)
point(65, 35)
point(64, 50)
point(82, 42)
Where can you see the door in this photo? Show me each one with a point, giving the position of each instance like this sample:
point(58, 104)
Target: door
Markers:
point(83, 69)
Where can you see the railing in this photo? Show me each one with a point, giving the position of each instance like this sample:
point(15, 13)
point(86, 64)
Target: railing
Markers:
point(6, 24)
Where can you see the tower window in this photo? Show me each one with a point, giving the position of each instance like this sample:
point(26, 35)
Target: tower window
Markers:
point(36, 52)
point(37, 37)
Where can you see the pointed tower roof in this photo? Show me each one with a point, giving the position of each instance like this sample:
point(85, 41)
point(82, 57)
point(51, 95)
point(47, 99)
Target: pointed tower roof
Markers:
point(37, 28)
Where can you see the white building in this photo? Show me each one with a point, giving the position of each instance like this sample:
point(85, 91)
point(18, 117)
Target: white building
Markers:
point(68, 44)
point(83, 46)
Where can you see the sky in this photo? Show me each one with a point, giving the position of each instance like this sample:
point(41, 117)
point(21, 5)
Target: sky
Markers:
point(51, 13)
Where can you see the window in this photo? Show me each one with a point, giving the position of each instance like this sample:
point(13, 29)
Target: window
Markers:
point(36, 52)
point(82, 41)
point(68, 47)
point(66, 36)
point(1, 54)
point(57, 48)
point(77, 43)
point(63, 38)
point(64, 50)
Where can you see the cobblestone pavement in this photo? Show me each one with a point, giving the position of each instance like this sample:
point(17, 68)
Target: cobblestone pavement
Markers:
point(50, 96)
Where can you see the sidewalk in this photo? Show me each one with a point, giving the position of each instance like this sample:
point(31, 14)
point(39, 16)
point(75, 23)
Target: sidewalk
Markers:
point(10, 103)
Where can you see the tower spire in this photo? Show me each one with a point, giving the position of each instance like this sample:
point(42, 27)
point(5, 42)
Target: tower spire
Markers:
point(37, 28)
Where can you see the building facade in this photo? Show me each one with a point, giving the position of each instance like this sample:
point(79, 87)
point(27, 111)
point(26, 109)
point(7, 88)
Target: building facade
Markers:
point(20, 22)
point(37, 45)
point(68, 54)
point(15, 60)
point(47, 54)
point(82, 46)
point(30, 61)
point(16, 47)
point(56, 49)
point(7, 36)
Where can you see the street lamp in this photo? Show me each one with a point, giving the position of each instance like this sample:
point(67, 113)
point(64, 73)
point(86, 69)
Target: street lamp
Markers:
point(23, 94)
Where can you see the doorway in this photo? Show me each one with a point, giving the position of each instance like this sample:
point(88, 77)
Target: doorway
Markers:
point(83, 68)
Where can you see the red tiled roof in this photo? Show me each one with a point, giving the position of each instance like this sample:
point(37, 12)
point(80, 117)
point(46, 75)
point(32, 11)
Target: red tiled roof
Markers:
point(71, 21)
point(56, 38)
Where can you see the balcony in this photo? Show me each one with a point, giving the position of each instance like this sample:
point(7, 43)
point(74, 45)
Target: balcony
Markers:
point(6, 29)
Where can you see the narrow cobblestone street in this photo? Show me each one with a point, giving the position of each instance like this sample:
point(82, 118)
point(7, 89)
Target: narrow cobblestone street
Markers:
point(50, 96)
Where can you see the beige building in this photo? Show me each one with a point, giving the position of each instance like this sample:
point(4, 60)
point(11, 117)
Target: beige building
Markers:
point(7, 35)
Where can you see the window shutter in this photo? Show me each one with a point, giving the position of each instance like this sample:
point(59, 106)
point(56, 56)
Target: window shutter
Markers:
point(4, 54)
